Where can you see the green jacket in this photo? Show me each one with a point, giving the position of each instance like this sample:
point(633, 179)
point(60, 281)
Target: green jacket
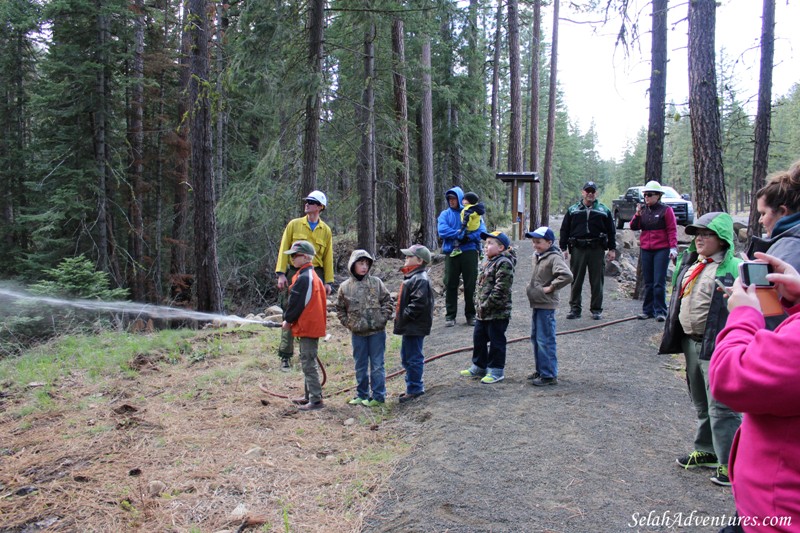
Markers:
point(493, 292)
point(727, 272)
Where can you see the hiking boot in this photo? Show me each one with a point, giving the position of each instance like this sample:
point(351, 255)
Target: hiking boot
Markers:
point(299, 401)
point(311, 406)
point(357, 401)
point(543, 382)
point(471, 321)
point(407, 397)
point(285, 366)
point(449, 322)
point(644, 316)
point(533, 376)
point(472, 372)
point(573, 314)
point(488, 379)
point(455, 252)
point(699, 459)
point(597, 316)
point(721, 477)
point(661, 318)
point(372, 403)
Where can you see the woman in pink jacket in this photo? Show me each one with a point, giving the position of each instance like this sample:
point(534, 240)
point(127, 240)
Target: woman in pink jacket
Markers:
point(757, 372)
point(659, 245)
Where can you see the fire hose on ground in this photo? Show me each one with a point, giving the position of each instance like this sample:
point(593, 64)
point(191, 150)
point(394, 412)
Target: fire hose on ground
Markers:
point(271, 324)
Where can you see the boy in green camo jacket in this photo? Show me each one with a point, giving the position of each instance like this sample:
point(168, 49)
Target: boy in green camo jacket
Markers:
point(493, 306)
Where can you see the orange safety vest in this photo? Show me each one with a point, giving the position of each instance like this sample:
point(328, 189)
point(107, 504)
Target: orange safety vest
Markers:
point(314, 317)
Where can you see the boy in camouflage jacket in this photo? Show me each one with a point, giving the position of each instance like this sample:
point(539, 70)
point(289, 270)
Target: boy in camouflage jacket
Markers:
point(363, 306)
point(493, 299)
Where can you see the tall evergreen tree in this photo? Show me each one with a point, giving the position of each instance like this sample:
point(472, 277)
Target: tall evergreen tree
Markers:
point(658, 91)
point(709, 182)
point(763, 112)
point(207, 281)
point(403, 194)
point(365, 170)
point(17, 69)
point(551, 119)
point(535, 80)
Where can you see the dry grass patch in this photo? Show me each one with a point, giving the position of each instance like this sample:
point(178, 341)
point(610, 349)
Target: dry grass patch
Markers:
point(185, 443)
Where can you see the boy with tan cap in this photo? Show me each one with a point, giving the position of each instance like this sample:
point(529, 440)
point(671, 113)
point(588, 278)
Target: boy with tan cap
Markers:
point(306, 317)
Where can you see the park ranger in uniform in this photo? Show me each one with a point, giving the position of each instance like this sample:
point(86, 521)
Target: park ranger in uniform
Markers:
point(586, 233)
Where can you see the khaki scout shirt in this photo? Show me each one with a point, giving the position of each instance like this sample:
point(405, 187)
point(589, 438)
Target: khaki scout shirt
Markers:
point(695, 305)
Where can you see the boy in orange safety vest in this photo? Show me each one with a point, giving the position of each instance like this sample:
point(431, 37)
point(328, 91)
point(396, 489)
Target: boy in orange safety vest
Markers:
point(306, 316)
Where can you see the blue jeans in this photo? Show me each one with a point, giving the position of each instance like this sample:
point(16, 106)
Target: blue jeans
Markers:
point(654, 272)
point(413, 362)
point(368, 353)
point(543, 338)
point(489, 346)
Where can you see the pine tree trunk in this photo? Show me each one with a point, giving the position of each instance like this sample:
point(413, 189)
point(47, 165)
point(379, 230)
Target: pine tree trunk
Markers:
point(316, 24)
point(137, 154)
point(495, 107)
point(426, 191)
point(551, 121)
point(180, 280)
point(536, 43)
point(515, 132)
point(365, 170)
point(403, 194)
point(658, 90)
point(220, 148)
point(475, 58)
point(763, 113)
point(207, 281)
point(709, 180)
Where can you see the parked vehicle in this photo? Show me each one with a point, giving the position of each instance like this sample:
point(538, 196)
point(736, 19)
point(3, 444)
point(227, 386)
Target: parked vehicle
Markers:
point(625, 206)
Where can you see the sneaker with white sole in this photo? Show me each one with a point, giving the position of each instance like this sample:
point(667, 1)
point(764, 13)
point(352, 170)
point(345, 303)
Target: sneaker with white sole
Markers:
point(473, 372)
point(357, 401)
point(721, 477)
point(372, 403)
point(488, 379)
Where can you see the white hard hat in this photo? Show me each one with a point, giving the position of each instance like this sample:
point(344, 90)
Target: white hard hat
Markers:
point(318, 196)
point(653, 186)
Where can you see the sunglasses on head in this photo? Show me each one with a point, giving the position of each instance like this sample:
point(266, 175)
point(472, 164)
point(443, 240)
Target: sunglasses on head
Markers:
point(649, 194)
point(313, 202)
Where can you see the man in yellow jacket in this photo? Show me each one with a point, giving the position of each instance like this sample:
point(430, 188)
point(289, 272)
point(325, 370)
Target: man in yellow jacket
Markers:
point(309, 228)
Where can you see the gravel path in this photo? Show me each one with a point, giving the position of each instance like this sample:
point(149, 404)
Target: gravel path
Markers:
point(594, 454)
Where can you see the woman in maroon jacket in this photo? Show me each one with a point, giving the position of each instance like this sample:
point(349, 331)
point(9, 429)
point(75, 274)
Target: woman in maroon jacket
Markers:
point(658, 244)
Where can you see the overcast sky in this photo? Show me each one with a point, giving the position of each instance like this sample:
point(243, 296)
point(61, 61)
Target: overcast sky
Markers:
point(601, 84)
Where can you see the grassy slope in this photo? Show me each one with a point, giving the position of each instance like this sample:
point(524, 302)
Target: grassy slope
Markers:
point(151, 433)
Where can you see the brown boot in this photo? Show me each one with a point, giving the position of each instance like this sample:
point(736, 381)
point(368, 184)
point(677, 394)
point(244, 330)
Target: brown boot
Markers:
point(312, 406)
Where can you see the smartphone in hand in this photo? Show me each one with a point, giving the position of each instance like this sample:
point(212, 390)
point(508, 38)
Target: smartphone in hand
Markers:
point(755, 273)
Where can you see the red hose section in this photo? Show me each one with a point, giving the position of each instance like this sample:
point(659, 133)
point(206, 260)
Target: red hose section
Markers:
point(451, 352)
point(284, 396)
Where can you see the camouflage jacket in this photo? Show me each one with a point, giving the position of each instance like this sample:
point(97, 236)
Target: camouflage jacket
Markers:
point(363, 306)
point(493, 294)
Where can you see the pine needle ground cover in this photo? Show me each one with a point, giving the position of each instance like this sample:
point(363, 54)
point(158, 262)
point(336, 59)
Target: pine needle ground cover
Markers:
point(170, 432)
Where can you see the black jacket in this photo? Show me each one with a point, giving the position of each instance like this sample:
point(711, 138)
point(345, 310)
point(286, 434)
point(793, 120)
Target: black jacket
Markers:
point(415, 304)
